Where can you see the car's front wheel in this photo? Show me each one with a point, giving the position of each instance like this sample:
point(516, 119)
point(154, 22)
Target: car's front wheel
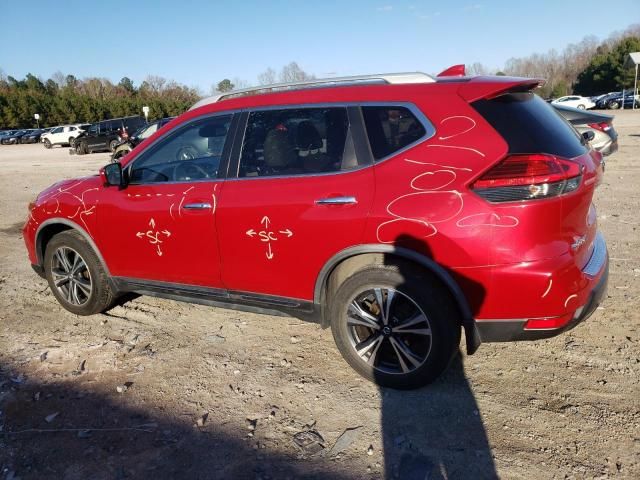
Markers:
point(72, 142)
point(75, 275)
point(395, 325)
point(581, 107)
point(47, 143)
point(113, 144)
point(81, 148)
point(613, 105)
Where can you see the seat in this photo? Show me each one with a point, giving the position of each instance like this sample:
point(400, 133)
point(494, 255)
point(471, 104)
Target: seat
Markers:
point(310, 147)
point(279, 153)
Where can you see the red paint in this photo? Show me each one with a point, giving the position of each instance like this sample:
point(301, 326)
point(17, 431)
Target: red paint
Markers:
point(268, 235)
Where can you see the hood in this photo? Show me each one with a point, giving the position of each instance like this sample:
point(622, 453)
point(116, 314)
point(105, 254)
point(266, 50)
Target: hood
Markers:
point(69, 185)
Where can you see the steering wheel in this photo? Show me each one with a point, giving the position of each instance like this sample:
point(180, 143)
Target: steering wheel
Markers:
point(187, 152)
point(185, 171)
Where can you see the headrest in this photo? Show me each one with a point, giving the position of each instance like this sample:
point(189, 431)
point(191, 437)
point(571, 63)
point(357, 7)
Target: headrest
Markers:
point(307, 137)
point(278, 150)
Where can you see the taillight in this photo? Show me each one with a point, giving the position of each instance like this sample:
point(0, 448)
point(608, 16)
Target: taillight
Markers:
point(528, 177)
point(602, 126)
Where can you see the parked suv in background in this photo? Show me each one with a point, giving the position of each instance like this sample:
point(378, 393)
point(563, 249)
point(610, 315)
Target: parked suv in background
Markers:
point(125, 145)
point(397, 209)
point(103, 136)
point(62, 135)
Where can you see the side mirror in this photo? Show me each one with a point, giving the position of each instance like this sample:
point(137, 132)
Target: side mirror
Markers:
point(111, 175)
point(588, 135)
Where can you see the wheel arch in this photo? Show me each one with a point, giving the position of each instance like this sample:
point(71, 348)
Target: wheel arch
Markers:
point(353, 257)
point(53, 226)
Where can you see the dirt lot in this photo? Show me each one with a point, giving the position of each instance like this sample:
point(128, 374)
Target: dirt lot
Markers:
point(171, 390)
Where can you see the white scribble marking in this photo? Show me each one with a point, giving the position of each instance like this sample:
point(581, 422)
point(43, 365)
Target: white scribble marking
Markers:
point(267, 236)
point(473, 124)
point(154, 236)
point(569, 298)
point(546, 292)
point(458, 147)
point(488, 220)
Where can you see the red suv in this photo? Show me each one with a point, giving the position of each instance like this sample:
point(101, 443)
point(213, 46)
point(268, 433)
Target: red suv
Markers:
point(398, 209)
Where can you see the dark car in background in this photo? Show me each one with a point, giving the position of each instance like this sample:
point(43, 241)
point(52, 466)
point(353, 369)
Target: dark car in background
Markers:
point(104, 135)
point(13, 138)
point(605, 137)
point(32, 136)
point(614, 101)
point(128, 144)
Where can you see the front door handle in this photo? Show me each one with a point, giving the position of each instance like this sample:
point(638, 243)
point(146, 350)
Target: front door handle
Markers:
point(197, 206)
point(337, 201)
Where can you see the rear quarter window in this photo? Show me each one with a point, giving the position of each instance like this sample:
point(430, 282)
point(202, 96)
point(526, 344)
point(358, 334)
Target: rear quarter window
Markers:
point(390, 129)
point(529, 125)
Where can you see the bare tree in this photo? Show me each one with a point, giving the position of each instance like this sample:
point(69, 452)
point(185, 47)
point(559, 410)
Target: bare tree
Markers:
point(293, 73)
point(267, 77)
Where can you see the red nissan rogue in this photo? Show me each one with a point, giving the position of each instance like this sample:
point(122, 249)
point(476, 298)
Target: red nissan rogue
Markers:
point(398, 209)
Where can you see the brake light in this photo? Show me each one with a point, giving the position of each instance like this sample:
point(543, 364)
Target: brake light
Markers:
point(602, 126)
point(528, 177)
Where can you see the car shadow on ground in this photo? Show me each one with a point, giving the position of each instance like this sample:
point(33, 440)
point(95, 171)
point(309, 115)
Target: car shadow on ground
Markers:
point(435, 432)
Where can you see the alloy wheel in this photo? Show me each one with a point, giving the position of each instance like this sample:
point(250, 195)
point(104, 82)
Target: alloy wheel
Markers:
point(388, 330)
point(71, 276)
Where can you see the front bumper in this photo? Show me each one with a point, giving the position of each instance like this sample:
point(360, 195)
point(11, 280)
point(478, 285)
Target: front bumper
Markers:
point(510, 330)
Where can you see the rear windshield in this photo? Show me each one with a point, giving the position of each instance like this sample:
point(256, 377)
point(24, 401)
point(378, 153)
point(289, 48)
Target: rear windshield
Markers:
point(530, 125)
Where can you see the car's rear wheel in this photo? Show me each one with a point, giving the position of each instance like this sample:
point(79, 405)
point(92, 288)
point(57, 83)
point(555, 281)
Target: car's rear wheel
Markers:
point(75, 275)
point(113, 145)
point(81, 148)
point(581, 107)
point(47, 143)
point(395, 325)
point(72, 142)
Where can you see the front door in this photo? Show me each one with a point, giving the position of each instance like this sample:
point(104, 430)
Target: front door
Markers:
point(162, 226)
point(300, 196)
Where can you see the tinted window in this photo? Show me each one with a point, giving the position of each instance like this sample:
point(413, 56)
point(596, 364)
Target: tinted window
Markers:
point(190, 153)
point(529, 125)
point(297, 141)
point(390, 129)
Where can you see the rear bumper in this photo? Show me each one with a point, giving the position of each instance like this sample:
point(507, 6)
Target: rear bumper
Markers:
point(509, 330)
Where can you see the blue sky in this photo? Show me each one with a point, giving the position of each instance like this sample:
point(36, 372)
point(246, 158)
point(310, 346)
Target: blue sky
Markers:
point(200, 42)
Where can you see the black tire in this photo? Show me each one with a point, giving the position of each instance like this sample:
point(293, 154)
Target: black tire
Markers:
point(113, 144)
point(81, 148)
point(47, 143)
point(100, 296)
point(411, 287)
point(581, 107)
point(613, 105)
point(72, 142)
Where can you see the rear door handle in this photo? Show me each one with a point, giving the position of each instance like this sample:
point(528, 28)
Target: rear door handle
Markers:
point(197, 206)
point(337, 201)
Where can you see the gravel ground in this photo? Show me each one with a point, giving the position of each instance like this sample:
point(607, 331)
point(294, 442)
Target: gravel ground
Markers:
point(172, 390)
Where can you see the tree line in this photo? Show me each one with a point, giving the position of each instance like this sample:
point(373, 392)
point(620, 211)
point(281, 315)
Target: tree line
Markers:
point(589, 67)
point(65, 99)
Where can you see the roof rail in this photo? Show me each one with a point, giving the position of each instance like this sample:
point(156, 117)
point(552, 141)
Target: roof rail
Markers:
point(382, 78)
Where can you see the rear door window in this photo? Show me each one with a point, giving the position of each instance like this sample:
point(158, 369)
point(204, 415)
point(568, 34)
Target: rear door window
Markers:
point(391, 129)
point(530, 125)
point(297, 141)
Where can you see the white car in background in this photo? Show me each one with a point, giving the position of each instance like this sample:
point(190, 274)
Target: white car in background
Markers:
point(63, 135)
point(575, 101)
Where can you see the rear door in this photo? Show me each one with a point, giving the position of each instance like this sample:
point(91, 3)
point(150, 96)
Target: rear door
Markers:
point(301, 194)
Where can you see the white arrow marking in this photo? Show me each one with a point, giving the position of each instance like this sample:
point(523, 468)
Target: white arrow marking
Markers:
point(266, 221)
point(287, 232)
point(166, 232)
point(159, 251)
point(152, 223)
point(269, 252)
point(251, 232)
point(140, 234)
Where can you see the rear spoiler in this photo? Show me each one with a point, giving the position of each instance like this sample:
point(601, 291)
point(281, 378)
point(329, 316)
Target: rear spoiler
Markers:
point(490, 87)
